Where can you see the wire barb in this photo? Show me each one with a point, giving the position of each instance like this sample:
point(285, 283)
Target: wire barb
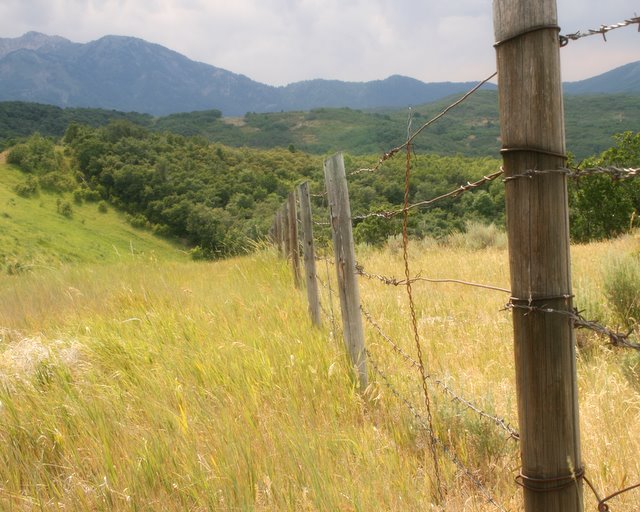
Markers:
point(564, 39)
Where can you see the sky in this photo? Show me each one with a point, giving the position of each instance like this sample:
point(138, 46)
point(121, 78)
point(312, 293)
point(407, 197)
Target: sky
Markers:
point(282, 41)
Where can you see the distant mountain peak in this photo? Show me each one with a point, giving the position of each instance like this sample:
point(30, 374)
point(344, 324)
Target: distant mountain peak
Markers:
point(130, 74)
point(31, 41)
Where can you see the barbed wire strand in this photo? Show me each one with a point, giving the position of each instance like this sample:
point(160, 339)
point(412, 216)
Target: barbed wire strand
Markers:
point(393, 281)
point(500, 422)
point(616, 338)
point(564, 39)
point(425, 425)
point(616, 173)
point(391, 153)
point(454, 193)
point(414, 318)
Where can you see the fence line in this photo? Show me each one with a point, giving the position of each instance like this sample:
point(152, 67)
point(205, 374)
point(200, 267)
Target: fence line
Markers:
point(616, 338)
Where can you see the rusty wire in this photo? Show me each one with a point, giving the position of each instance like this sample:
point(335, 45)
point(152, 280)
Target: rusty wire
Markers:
point(393, 281)
point(414, 318)
point(392, 152)
point(435, 440)
point(564, 39)
point(500, 422)
point(616, 338)
point(602, 502)
point(454, 193)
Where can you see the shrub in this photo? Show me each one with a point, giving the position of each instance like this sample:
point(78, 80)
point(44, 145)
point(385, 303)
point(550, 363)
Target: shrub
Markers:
point(64, 208)
point(27, 188)
point(57, 182)
point(478, 236)
point(102, 207)
point(36, 155)
point(622, 288)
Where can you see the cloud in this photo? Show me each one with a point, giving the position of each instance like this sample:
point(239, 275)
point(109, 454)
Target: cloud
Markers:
point(280, 41)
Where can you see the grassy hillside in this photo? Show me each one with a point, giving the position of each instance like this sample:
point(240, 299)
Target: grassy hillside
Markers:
point(33, 232)
point(193, 386)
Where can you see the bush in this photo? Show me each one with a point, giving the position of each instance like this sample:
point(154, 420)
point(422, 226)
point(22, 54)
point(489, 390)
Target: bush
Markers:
point(622, 288)
point(103, 207)
point(478, 236)
point(37, 155)
point(64, 208)
point(27, 188)
point(57, 182)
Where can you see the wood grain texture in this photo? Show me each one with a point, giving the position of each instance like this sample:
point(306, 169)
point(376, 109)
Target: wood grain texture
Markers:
point(345, 260)
point(309, 253)
point(532, 124)
point(294, 248)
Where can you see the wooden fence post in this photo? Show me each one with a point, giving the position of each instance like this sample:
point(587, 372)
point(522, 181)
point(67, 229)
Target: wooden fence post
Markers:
point(286, 230)
point(282, 236)
point(294, 247)
point(344, 252)
point(532, 129)
point(309, 253)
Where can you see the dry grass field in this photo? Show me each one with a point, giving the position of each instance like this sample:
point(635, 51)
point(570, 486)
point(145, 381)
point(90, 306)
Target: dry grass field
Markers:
point(147, 386)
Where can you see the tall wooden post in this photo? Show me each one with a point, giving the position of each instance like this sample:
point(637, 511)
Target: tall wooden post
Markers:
point(281, 232)
point(345, 256)
point(309, 253)
point(294, 247)
point(532, 128)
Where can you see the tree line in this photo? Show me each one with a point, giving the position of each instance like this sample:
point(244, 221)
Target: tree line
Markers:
point(218, 199)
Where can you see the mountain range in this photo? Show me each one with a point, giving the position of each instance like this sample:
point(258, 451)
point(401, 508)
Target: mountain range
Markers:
point(130, 74)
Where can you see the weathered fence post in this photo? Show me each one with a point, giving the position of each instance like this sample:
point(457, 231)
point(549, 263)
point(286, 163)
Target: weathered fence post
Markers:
point(294, 247)
point(309, 253)
point(344, 252)
point(532, 128)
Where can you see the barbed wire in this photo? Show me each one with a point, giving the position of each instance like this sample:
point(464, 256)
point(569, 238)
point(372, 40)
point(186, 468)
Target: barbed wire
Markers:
point(454, 193)
point(500, 422)
point(564, 39)
point(424, 424)
point(616, 338)
point(616, 173)
point(392, 152)
point(412, 310)
point(393, 281)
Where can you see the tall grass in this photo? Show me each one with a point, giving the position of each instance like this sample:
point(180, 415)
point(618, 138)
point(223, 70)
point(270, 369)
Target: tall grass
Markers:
point(195, 386)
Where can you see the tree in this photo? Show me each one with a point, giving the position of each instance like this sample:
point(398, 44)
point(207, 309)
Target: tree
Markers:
point(599, 206)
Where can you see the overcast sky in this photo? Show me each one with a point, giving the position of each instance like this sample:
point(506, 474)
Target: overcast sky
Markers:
point(282, 41)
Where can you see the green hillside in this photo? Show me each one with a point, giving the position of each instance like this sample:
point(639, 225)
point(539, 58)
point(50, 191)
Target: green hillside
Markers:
point(472, 129)
point(52, 229)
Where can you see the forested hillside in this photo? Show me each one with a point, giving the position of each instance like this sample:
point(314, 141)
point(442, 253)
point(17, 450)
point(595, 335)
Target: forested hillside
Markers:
point(218, 199)
point(471, 130)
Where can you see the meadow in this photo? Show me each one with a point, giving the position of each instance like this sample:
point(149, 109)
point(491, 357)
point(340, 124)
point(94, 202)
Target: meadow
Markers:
point(148, 385)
